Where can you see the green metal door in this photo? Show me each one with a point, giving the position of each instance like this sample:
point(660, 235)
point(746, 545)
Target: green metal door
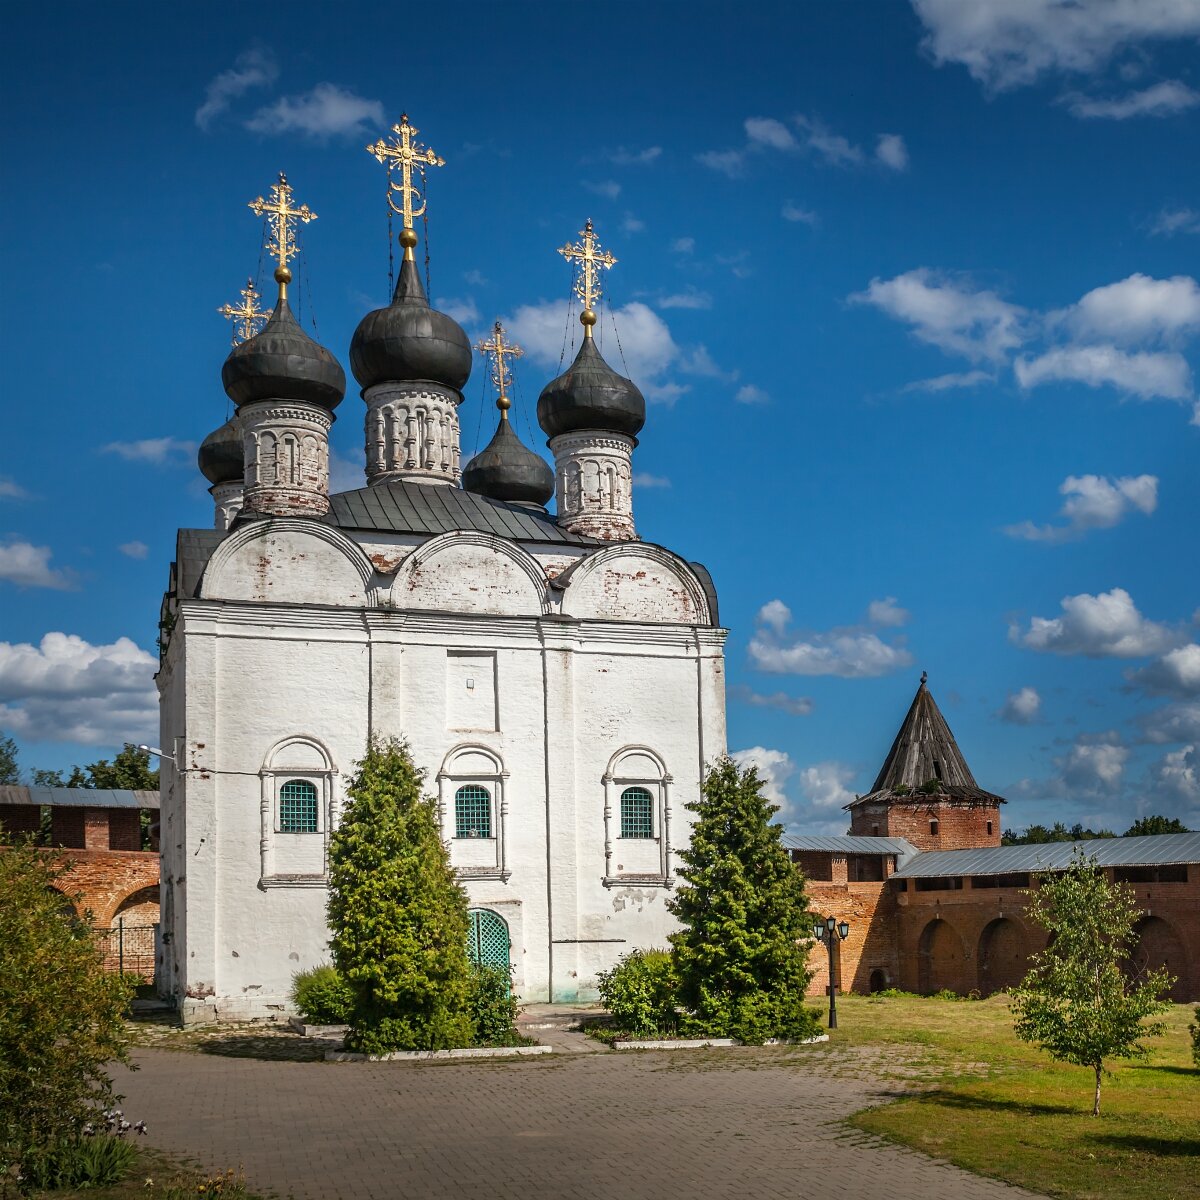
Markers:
point(487, 939)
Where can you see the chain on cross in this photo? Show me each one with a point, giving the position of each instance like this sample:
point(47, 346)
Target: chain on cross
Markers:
point(247, 317)
point(400, 154)
point(281, 217)
point(498, 349)
point(590, 261)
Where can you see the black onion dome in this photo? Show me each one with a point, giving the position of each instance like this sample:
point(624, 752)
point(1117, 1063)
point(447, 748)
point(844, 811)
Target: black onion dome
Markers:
point(506, 469)
point(220, 455)
point(409, 342)
point(283, 363)
point(591, 395)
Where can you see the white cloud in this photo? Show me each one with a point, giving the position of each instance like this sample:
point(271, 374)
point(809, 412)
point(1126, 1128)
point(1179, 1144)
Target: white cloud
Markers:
point(796, 706)
point(10, 489)
point(610, 189)
point(823, 785)
point(689, 298)
point(475, 278)
point(634, 158)
point(664, 393)
point(892, 152)
point(851, 652)
point(1177, 673)
point(1093, 502)
point(632, 224)
point(887, 612)
point(1171, 221)
point(767, 131)
point(159, 451)
point(750, 393)
point(1162, 100)
point(684, 245)
point(134, 549)
point(29, 566)
point(1137, 309)
point(644, 479)
point(1143, 374)
point(774, 768)
point(1094, 765)
point(464, 310)
point(67, 690)
point(1022, 707)
point(326, 111)
point(254, 69)
point(794, 213)
point(1172, 723)
point(1104, 626)
point(948, 313)
point(832, 147)
point(1178, 774)
point(1009, 43)
point(950, 381)
point(727, 162)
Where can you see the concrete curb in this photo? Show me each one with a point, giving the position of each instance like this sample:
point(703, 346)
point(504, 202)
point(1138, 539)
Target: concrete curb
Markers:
point(305, 1030)
point(700, 1043)
point(425, 1055)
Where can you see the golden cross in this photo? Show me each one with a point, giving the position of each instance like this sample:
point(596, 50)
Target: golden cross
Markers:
point(281, 216)
point(400, 153)
point(497, 349)
point(247, 316)
point(586, 253)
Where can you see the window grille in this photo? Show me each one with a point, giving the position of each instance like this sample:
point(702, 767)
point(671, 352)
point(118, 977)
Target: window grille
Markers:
point(637, 813)
point(297, 807)
point(472, 812)
point(487, 939)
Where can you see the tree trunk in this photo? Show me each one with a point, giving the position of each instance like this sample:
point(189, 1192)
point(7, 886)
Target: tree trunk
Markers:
point(1096, 1105)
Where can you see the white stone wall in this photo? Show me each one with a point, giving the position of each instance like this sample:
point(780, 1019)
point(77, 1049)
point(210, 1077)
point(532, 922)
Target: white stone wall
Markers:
point(551, 696)
point(412, 433)
point(228, 499)
point(593, 483)
point(286, 449)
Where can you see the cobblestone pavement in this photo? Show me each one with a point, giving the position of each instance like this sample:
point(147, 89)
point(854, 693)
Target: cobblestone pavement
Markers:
point(625, 1126)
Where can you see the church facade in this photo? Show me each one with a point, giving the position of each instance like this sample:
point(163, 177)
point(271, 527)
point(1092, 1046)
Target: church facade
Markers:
point(559, 679)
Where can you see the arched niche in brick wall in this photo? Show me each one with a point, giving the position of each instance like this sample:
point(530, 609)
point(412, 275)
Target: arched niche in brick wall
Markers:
point(1003, 956)
point(1157, 944)
point(941, 960)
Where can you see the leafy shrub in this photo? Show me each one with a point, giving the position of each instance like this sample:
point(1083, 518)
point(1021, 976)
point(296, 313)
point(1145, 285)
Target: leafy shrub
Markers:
point(61, 1015)
point(493, 1006)
point(894, 994)
point(640, 992)
point(945, 994)
point(1194, 1030)
point(79, 1162)
point(322, 995)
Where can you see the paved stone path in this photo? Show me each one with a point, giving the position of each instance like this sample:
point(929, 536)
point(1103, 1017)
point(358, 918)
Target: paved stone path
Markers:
point(622, 1126)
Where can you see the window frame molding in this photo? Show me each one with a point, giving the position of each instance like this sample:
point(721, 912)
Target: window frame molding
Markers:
point(615, 782)
point(272, 776)
point(496, 783)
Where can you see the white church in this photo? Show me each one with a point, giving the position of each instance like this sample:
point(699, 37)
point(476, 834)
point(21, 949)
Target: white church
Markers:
point(560, 680)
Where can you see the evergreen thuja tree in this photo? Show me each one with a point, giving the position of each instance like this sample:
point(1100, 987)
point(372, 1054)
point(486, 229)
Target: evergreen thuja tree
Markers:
point(397, 914)
point(741, 956)
point(1077, 1002)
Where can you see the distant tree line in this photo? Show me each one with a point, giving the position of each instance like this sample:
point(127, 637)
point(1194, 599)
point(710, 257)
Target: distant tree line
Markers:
point(1036, 835)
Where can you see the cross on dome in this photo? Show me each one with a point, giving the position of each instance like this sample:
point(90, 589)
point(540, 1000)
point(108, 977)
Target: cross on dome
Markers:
point(497, 349)
point(402, 155)
point(247, 317)
point(586, 253)
point(281, 217)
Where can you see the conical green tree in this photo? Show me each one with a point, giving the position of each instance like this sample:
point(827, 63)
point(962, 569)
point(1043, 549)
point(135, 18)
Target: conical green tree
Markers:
point(741, 955)
point(397, 914)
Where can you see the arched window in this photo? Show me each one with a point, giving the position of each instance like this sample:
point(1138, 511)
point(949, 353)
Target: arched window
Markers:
point(637, 813)
point(298, 807)
point(472, 812)
point(933, 827)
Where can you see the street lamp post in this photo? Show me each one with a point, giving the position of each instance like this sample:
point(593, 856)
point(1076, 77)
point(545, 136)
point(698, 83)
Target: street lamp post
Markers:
point(830, 931)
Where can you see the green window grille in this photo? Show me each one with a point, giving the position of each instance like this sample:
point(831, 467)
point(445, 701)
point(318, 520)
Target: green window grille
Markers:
point(472, 812)
point(297, 807)
point(637, 813)
point(487, 939)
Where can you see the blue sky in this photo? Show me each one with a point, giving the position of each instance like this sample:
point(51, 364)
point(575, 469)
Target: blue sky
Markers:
point(910, 287)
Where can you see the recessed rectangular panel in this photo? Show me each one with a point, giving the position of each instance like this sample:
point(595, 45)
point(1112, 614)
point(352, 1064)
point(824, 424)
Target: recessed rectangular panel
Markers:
point(471, 690)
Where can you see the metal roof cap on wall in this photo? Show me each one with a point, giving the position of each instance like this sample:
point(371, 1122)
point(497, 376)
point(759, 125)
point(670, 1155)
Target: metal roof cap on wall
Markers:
point(64, 797)
point(851, 845)
point(1160, 849)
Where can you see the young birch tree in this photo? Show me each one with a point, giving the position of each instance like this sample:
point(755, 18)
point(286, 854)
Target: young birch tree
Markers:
point(1077, 1002)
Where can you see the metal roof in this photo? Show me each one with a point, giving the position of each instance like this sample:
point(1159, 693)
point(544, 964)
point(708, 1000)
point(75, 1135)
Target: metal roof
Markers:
point(1160, 849)
point(64, 797)
point(193, 549)
point(419, 508)
point(850, 845)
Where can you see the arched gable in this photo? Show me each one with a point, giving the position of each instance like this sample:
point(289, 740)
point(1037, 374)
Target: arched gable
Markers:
point(472, 572)
point(299, 752)
point(634, 581)
point(636, 762)
point(471, 759)
point(290, 560)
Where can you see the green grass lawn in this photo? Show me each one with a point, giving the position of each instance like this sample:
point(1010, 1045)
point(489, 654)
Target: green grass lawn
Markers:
point(999, 1107)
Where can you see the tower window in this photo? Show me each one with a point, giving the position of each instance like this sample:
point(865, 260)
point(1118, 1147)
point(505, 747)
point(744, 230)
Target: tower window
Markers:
point(933, 827)
point(989, 828)
point(298, 807)
point(472, 812)
point(637, 813)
